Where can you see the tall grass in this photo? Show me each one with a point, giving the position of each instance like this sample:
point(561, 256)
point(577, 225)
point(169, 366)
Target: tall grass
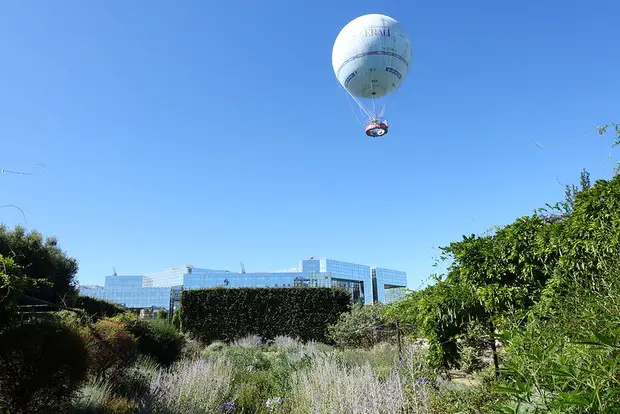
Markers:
point(281, 341)
point(93, 395)
point(249, 341)
point(330, 387)
point(195, 386)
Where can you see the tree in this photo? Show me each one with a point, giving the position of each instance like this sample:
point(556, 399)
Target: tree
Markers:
point(162, 314)
point(442, 312)
point(12, 285)
point(40, 258)
point(176, 319)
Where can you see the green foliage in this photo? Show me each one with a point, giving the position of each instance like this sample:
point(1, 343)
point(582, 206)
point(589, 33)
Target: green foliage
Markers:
point(362, 327)
point(40, 258)
point(229, 314)
point(155, 338)
point(76, 320)
point(441, 312)
point(585, 243)
point(463, 400)
point(603, 130)
point(252, 389)
point(12, 284)
point(96, 307)
point(525, 270)
point(42, 364)
point(570, 360)
point(176, 320)
point(162, 315)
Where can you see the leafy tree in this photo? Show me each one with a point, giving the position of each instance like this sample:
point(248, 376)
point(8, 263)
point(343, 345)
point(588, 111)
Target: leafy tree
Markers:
point(12, 284)
point(176, 319)
point(162, 314)
point(441, 313)
point(40, 258)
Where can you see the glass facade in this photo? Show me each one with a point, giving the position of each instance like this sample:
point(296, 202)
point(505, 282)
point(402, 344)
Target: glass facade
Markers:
point(389, 284)
point(351, 271)
point(366, 284)
point(123, 282)
point(136, 297)
point(208, 279)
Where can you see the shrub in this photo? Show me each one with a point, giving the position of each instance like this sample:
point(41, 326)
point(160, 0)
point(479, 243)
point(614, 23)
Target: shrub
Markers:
point(111, 349)
point(119, 405)
point(252, 390)
point(228, 314)
point(42, 364)
point(162, 315)
point(76, 320)
point(362, 327)
point(155, 338)
point(176, 320)
point(98, 308)
point(471, 357)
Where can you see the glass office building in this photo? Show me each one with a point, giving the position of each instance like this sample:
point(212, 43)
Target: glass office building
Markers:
point(367, 284)
point(388, 284)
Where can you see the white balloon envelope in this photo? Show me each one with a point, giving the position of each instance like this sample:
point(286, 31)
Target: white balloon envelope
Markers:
point(371, 57)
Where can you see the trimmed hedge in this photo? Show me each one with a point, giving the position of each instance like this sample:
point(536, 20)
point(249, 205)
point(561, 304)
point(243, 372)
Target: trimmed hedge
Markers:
point(221, 314)
point(98, 307)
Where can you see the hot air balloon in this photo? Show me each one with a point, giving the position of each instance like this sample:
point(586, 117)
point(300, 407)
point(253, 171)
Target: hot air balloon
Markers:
point(371, 57)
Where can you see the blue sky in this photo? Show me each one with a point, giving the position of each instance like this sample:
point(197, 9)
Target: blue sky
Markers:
point(210, 133)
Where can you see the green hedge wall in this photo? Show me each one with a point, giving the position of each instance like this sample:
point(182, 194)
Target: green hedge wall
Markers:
point(98, 307)
point(221, 314)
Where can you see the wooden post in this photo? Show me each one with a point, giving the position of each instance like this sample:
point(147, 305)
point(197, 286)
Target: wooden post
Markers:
point(400, 348)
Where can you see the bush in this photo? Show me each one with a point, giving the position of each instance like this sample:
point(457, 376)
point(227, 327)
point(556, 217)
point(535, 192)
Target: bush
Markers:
point(228, 314)
point(76, 320)
point(111, 349)
point(252, 391)
point(155, 338)
point(42, 364)
point(176, 319)
point(98, 307)
point(162, 315)
point(363, 327)
point(471, 357)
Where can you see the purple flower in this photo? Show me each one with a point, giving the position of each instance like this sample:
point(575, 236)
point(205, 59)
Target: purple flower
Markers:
point(421, 380)
point(228, 407)
point(260, 340)
point(272, 402)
